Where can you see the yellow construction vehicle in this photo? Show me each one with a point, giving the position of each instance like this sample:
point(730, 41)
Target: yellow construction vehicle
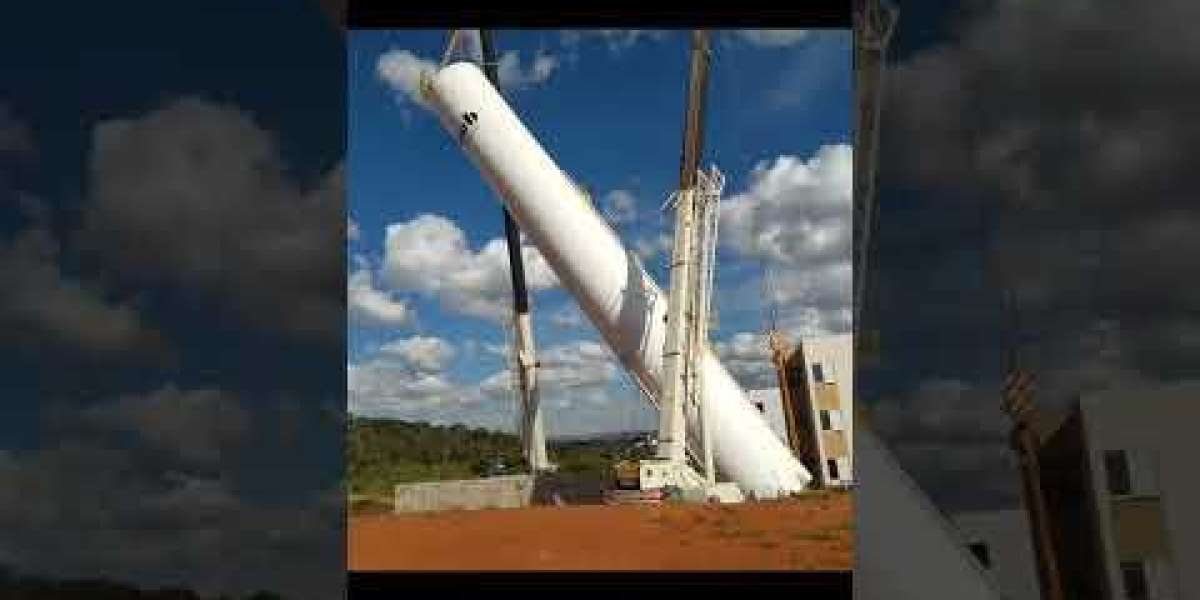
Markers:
point(626, 475)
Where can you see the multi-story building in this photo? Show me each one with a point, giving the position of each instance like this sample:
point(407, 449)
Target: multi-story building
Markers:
point(1121, 488)
point(819, 376)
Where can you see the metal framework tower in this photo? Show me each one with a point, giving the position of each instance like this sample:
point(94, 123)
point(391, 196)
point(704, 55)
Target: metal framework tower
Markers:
point(686, 297)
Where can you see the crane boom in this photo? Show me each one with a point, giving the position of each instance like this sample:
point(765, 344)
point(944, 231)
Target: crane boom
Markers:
point(533, 437)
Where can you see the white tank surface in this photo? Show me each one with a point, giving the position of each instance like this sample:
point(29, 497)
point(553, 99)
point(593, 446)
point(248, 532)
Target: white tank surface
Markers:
point(617, 295)
point(905, 549)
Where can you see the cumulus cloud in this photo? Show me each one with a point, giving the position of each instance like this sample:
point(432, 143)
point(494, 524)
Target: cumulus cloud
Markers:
point(16, 137)
point(44, 307)
point(568, 317)
point(1086, 189)
point(430, 255)
point(583, 390)
point(145, 488)
point(196, 195)
point(796, 210)
point(812, 301)
point(576, 365)
point(818, 67)
point(196, 425)
point(946, 432)
point(617, 40)
point(796, 217)
point(650, 247)
point(580, 384)
point(401, 71)
point(513, 76)
point(422, 353)
point(579, 366)
point(1076, 197)
point(382, 387)
point(776, 38)
point(620, 206)
point(369, 306)
point(748, 359)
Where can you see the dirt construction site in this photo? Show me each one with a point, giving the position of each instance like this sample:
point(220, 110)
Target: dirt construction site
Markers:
point(812, 532)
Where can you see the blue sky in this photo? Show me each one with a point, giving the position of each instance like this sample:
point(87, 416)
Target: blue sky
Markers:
point(608, 107)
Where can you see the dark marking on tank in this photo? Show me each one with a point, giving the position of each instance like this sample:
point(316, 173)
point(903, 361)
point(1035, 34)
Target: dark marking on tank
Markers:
point(469, 119)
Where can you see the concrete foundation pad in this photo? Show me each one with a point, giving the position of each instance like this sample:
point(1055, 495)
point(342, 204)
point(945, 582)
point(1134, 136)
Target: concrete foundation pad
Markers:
point(512, 491)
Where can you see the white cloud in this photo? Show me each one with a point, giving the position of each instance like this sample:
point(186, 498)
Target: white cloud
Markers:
point(568, 317)
point(620, 206)
point(422, 353)
point(617, 40)
point(581, 388)
point(947, 431)
point(197, 195)
point(430, 254)
point(382, 389)
point(500, 350)
point(795, 210)
point(513, 76)
point(748, 359)
point(649, 248)
point(812, 301)
point(577, 366)
point(773, 37)
point(155, 481)
point(796, 216)
point(196, 425)
point(369, 306)
point(401, 71)
point(41, 305)
point(16, 137)
point(580, 382)
point(379, 388)
point(818, 66)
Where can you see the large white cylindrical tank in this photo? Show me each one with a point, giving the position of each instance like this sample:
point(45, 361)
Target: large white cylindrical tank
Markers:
point(620, 299)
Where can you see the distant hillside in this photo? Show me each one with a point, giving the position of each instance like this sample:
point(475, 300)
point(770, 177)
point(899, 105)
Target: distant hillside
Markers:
point(24, 587)
point(620, 436)
point(381, 453)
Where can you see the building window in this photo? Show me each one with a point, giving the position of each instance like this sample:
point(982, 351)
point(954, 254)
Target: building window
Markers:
point(833, 468)
point(818, 373)
point(826, 425)
point(1133, 573)
point(1143, 471)
point(1116, 466)
point(980, 550)
point(761, 409)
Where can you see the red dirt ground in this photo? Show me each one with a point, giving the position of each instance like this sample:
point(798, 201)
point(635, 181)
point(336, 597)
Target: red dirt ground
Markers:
point(809, 533)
